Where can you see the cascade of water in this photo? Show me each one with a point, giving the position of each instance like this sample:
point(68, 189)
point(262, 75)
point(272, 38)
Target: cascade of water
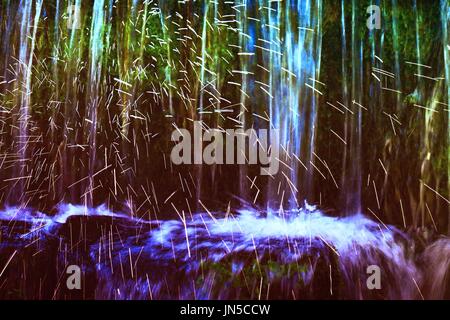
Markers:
point(245, 45)
point(216, 83)
point(271, 33)
point(208, 95)
point(96, 45)
point(72, 52)
point(55, 58)
point(345, 99)
point(419, 95)
point(126, 70)
point(25, 11)
point(314, 75)
point(293, 60)
point(201, 85)
point(26, 53)
point(279, 50)
point(353, 120)
point(374, 87)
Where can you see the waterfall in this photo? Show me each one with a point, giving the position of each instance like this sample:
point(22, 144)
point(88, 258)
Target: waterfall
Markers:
point(352, 172)
point(243, 64)
point(96, 45)
point(247, 36)
point(280, 68)
point(25, 64)
point(91, 92)
point(293, 63)
point(345, 101)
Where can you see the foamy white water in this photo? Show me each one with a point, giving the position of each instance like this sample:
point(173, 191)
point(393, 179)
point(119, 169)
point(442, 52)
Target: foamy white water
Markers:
point(180, 249)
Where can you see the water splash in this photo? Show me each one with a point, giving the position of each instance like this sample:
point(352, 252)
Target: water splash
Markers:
point(25, 64)
point(301, 254)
